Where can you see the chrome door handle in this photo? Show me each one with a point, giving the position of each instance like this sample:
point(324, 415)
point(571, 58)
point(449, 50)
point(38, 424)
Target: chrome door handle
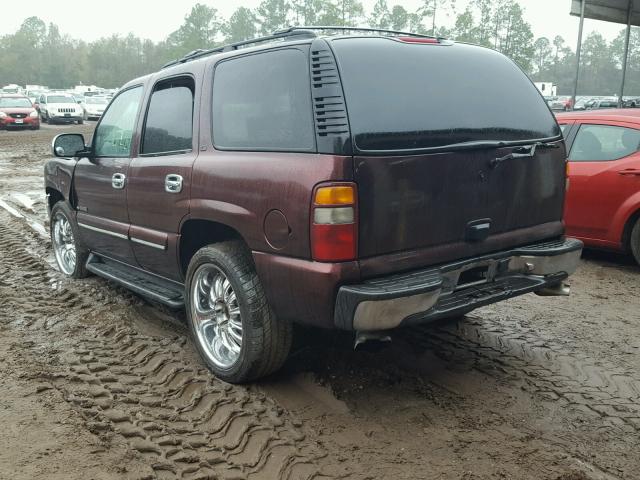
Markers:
point(173, 183)
point(117, 180)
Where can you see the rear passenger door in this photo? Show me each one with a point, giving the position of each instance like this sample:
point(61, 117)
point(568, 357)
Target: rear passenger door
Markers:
point(160, 174)
point(600, 161)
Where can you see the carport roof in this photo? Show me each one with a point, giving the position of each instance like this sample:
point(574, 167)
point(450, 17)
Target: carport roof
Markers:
point(608, 10)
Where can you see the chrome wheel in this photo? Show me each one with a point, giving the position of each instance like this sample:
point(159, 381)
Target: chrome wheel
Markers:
point(216, 313)
point(64, 245)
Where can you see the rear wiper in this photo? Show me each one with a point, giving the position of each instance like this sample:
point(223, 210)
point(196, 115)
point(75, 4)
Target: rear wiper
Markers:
point(521, 152)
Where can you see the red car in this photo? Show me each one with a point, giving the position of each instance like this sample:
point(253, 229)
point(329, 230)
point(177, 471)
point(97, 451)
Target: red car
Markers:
point(603, 200)
point(18, 111)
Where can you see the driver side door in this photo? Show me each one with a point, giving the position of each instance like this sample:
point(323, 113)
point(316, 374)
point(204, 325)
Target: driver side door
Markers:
point(101, 181)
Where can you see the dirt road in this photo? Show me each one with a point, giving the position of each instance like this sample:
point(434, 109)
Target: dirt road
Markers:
point(100, 384)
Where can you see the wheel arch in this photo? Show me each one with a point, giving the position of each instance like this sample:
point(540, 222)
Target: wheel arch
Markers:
point(196, 233)
point(628, 227)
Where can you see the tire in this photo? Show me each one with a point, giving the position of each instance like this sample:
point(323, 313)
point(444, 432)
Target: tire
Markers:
point(60, 237)
point(634, 241)
point(80, 122)
point(265, 340)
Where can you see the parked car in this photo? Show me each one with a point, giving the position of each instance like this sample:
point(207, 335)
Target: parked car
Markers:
point(94, 107)
point(603, 201)
point(599, 103)
point(633, 102)
point(18, 111)
point(59, 108)
point(560, 103)
point(581, 103)
point(234, 182)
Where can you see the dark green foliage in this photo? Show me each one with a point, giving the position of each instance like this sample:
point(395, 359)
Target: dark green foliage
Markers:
point(41, 54)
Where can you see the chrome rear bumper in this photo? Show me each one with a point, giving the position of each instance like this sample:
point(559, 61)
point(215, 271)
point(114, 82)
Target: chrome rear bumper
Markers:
point(456, 288)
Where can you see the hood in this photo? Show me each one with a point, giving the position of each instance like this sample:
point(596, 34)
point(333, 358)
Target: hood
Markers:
point(63, 105)
point(26, 110)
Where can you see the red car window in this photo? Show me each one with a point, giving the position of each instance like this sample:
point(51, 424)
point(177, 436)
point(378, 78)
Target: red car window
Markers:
point(601, 143)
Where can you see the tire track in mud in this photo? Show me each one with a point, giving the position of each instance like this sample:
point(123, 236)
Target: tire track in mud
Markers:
point(602, 399)
point(140, 389)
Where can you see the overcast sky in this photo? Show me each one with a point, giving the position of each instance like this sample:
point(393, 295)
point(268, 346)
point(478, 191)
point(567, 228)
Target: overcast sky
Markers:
point(155, 19)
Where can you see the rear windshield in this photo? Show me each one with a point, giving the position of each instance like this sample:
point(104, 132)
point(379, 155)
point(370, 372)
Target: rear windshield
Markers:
point(403, 96)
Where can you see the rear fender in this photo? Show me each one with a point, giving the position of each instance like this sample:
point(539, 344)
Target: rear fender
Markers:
point(622, 216)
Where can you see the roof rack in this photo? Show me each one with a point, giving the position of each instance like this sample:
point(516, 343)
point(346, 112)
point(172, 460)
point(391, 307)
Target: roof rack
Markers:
point(290, 33)
point(354, 29)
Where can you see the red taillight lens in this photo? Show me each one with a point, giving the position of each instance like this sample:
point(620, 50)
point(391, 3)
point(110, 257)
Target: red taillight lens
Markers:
point(334, 226)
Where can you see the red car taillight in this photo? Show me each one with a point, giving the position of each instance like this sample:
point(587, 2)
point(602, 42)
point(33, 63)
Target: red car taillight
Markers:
point(334, 224)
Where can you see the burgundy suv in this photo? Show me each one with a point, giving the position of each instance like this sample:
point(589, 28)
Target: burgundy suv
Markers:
point(353, 181)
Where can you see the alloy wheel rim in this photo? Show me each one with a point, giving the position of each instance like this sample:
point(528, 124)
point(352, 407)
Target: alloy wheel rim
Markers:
point(216, 313)
point(64, 245)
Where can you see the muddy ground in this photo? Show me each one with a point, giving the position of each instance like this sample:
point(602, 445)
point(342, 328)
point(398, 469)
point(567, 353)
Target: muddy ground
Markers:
point(97, 383)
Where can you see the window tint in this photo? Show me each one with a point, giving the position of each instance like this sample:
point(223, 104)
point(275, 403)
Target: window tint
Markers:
point(113, 135)
point(604, 142)
point(169, 125)
point(263, 102)
point(404, 96)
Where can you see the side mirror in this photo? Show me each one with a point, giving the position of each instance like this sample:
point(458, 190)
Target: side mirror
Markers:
point(68, 145)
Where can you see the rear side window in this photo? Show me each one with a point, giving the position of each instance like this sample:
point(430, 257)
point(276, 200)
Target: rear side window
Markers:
point(263, 102)
point(169, 124)
point(601, 143)
point(403, 96)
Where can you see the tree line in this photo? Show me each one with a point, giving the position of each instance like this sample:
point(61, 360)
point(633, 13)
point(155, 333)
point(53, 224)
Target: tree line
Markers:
point(40, 54)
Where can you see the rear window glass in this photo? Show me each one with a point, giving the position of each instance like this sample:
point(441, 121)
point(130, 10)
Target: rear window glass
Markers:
point(263, 102)
point(169, 124)
point(600, 143)
point(413, 96)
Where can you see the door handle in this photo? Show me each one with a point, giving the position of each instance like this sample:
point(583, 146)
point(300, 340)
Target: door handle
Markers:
point(173, 183)
point(117, 180)
point(630, 171)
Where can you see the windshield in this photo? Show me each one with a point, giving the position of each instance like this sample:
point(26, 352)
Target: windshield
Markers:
point(15, 102)
point(95, 101)
point(60, 99)
point(404, 96)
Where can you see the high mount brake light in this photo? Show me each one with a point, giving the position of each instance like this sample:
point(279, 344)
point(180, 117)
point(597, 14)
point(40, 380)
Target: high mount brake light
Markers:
point(418, 40)
point(334, 224)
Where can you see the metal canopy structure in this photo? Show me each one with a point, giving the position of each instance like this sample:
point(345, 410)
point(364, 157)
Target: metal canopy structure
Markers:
point(625, 12)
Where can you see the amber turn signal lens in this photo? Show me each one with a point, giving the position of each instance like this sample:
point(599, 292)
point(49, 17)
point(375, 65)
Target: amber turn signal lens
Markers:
point(336, 195)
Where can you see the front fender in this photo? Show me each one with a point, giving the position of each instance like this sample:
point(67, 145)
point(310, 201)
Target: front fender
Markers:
point(58, 175)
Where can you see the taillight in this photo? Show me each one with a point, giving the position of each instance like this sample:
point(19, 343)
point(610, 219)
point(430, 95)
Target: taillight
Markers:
point(334, 223)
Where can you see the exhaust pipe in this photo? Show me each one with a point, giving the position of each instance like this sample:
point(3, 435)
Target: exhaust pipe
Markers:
point(561, 289)
point(371, 338)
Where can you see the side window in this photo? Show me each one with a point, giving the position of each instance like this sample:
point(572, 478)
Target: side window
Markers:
point(604, 143)
point(169, 124)
point(113, 135)
point(564, 127)
point(263, 102)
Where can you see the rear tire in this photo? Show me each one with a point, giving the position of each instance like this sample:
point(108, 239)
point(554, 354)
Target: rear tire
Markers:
point(80, 122)
point(634, 241)
point(225, 301)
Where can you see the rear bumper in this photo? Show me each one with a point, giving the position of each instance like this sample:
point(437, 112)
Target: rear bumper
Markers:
point(454, 288)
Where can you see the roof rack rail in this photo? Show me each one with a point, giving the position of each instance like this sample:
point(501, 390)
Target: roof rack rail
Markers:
point(354, 29)
point(288, 34)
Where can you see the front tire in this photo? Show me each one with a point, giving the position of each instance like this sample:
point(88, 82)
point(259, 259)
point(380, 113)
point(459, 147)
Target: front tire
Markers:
point(71, 255)
point(634, 241)
point(234, 328)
